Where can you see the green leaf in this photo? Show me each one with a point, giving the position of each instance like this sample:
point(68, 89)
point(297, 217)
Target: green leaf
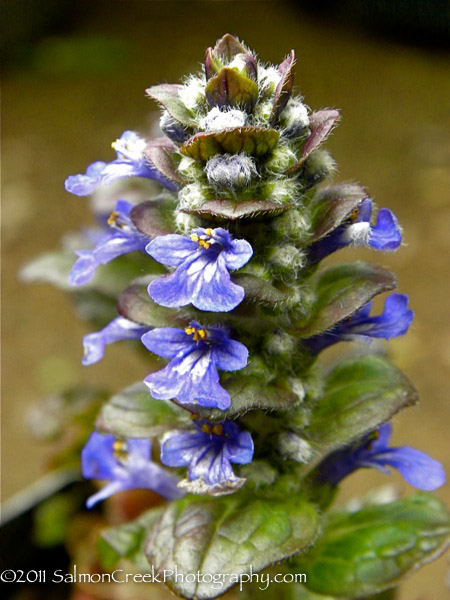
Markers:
point(167, 95)
point(231, 88)
point(249, 393)
point(149, 218)
point(261, 291)
point(127, 540)
point(331, 206)
point(255, 141)
point(134, 413)
point(365, 552)
point(359, 394)
point(159, 152)
point(109, 279)
point(227, 535)
point(135, 304)
point(233, 211)
point(51, 267)
point(341, 291)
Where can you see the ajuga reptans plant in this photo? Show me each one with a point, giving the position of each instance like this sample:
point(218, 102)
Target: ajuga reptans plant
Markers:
point(209, 242)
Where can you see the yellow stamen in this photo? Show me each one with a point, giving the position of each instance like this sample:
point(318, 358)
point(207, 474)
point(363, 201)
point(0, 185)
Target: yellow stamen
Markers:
point(218, 429)
point(204, 244)
point(197, 334)
point(209, 232)
point(120, 449)
point(354, 214)
point(194, 237)
point(206, 428)
point(113, 218)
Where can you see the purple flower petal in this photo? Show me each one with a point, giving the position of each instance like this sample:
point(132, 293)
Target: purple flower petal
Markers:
point(119, 329)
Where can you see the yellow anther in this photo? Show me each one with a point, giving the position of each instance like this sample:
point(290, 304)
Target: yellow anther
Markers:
point(194, 237)
point(115, 144)
point(354, 214)
point(120, 449)
point(206, 428)
point(218, 429)
point(204, 244)
point(209, 232)
point(198, 334)
point(113, 218)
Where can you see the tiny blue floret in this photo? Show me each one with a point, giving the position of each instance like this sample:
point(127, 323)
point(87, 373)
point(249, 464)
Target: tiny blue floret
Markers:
point(130, 162)
point(196, 352)
point(118, 330)
point(417, 468)
point(394, 321)
point(208, 453)
point(203, 262)
point(127, 465)
point(122, 238)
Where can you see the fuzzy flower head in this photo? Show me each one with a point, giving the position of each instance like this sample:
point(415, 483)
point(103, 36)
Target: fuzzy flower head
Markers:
point(122, 238)
point(385, 235)
point(130, 162)
point(418, 469)
point(118, 330)
point(127, 465)
point(196, 353)
point(393, 322)
point(208, 453)
point(203, 262)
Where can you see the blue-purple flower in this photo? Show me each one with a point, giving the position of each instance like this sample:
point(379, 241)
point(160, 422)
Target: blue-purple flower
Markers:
point(203, 262)
point(196, 353)
point(122, 238)
point(130, 162)
point(385, 235)
point(417, 468)
point(127, 465)
point(118, 330)
point(208, 454)
point(394, 321)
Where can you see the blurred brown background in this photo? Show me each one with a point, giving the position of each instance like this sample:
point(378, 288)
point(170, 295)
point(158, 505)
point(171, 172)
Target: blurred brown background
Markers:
point(74, 79)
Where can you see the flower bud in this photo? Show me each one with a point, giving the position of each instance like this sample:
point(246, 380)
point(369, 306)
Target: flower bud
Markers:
point(192, 196)
point(281, 159)
point(217, 120)
point(186, 223)
point(293, 447)
point(318, 167)
point(173, 129)
point(235, 171)
point(190, 169)
point(295, 119)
